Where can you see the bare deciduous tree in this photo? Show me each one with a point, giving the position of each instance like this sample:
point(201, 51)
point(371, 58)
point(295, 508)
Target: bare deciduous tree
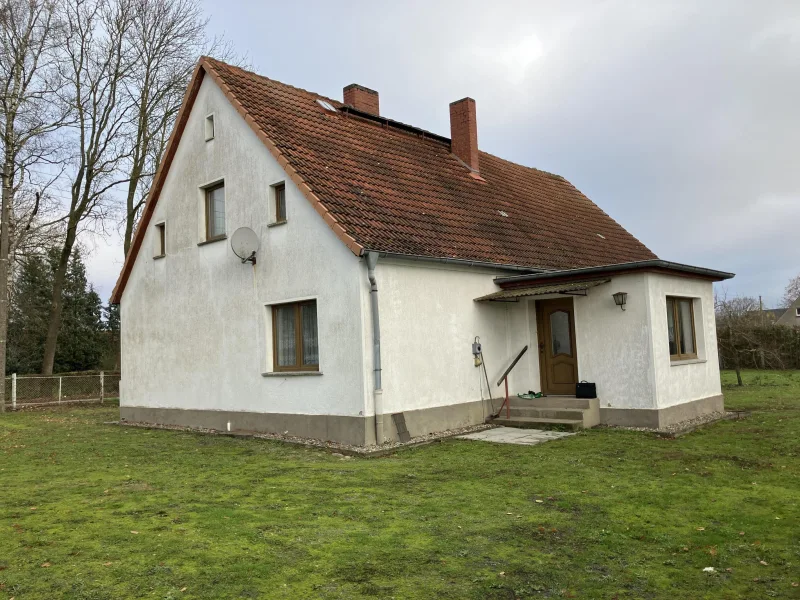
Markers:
point(98, 59)
point(109, 76)
point(738, 321)
point(36, 219)
point(792, 292)
point(169, 35)
point(29, 34)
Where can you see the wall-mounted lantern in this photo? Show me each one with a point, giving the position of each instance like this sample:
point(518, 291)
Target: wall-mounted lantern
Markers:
point(621, 299)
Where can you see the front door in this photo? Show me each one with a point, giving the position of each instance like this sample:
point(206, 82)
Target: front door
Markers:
point(558, 360)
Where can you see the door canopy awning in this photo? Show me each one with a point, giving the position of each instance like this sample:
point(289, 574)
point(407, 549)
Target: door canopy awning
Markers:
point(572, 288)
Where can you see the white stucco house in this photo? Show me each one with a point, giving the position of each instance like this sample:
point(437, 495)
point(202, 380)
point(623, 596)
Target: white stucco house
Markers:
point(385, 251)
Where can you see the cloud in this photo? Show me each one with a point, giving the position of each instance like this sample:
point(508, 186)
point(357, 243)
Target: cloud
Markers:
point(514, 58)
point(678, 118)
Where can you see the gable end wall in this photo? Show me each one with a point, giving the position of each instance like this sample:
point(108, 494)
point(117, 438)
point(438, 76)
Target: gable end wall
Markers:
point(195, 331)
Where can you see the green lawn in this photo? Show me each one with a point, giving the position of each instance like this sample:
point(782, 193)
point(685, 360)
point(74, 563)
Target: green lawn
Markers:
point(96, 511)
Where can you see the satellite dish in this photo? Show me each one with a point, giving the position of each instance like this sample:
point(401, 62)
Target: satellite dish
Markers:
point(244, 243)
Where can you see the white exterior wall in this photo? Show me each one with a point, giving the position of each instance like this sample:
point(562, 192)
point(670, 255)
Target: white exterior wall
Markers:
point(429, 320)
point(614, 346)
point(626, 353)
point(195, 330)
point(684, 381)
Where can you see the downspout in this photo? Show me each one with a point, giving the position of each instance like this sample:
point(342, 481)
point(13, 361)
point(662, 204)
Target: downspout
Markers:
point(377, 393)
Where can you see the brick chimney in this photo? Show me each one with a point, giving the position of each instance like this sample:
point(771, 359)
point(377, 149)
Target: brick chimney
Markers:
point(361, 98)
point(464, 132)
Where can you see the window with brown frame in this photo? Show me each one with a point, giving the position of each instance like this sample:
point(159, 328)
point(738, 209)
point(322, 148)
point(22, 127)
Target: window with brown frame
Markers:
point(294, 336)
point(280, 203)
point(161, 241)
point(215, 212)
point(680, 327)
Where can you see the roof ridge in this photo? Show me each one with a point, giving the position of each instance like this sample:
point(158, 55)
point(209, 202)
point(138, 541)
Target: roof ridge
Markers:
point(259, 76)
point(351, 111)
point(433, 134)
point(516, 164)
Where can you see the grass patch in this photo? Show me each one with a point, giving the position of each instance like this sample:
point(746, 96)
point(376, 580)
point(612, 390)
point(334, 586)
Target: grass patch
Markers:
point(762, 390)
point(93, 511)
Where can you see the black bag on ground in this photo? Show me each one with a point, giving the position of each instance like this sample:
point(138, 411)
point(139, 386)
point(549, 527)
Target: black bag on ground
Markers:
point(584, 389)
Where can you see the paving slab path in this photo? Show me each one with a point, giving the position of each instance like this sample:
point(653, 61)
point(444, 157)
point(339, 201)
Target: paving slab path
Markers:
point(511, 435)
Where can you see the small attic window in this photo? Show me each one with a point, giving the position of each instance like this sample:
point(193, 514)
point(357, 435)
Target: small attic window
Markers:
point(326, 105)
point(502, 213)
point(209, 127)
point(161, 240)
point(601, 236)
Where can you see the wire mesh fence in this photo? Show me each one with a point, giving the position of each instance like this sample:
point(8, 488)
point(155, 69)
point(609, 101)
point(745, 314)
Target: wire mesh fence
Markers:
point(39, 390)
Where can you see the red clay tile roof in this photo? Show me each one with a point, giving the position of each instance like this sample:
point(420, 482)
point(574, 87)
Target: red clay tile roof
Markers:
point(386, 189)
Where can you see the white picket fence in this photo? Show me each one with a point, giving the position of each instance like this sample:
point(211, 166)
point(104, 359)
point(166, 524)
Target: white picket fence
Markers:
point(39, 390)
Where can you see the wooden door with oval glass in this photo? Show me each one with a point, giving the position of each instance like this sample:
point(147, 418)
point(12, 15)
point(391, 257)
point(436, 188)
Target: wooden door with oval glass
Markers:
point(558, 359)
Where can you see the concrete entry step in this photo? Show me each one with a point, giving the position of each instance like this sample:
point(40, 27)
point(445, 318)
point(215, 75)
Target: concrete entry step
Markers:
point(546, 413)
point(538, 423)
point(551, 402)
point(550, 411)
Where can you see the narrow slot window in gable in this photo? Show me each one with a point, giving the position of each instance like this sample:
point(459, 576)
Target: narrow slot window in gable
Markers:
point(280, 203)
point(161, 240)
point(209, 127)
point(277, 204)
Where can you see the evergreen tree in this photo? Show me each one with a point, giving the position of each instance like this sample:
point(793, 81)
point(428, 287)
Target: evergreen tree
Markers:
point(80, 342)
point(110, 360)
point(30, 307)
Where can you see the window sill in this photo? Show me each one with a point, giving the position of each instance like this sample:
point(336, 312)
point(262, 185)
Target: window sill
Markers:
point(159, 256)
point(688, 361)
point(290, 373)
point(277, 223)
point(221, 238)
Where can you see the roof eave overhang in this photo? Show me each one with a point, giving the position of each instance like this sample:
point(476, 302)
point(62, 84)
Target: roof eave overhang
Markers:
point(652, 266)
point(515, 294)
point(464, 262)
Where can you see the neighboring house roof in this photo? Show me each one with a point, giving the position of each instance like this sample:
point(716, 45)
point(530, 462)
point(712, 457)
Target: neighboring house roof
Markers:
point(790, 316)
point(388, 187)
point(772, 313)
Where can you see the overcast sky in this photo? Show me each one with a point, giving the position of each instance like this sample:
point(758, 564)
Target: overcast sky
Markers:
point(680, 119)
